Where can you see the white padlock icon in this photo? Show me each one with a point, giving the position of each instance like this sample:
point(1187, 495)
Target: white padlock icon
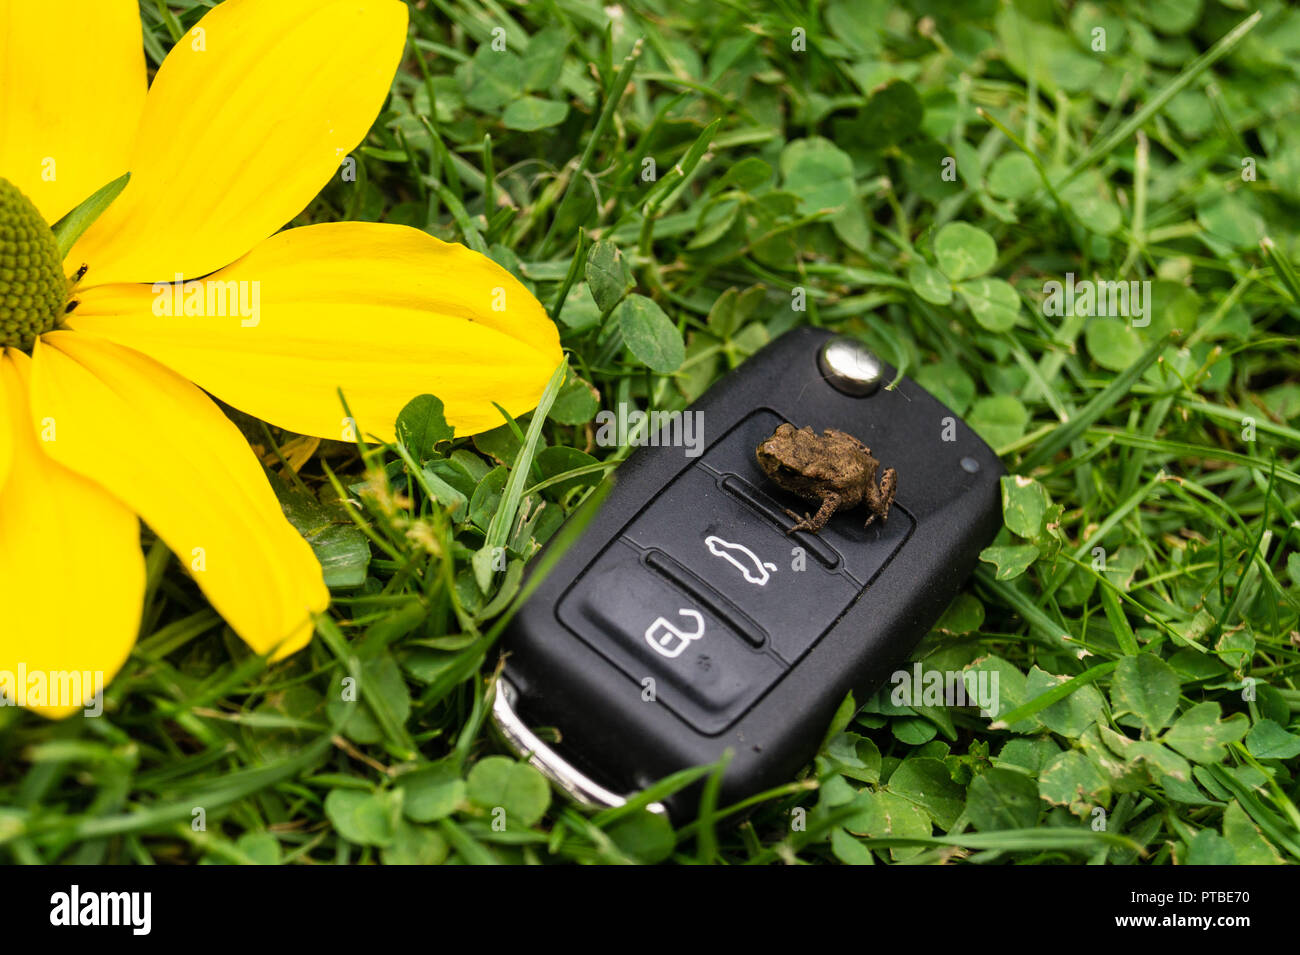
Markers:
point(668, 639)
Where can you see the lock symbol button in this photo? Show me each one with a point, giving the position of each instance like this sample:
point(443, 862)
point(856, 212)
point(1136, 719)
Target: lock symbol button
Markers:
point(669, 640)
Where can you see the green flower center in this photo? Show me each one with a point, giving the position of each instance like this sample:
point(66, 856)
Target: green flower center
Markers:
point(33, 288)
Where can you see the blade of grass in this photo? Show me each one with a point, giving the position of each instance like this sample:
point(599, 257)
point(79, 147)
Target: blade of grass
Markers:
point(1218, 51)
point(1102, 402)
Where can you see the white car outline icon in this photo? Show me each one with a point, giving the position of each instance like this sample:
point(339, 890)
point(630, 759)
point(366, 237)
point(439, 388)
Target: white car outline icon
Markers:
point(751, 567)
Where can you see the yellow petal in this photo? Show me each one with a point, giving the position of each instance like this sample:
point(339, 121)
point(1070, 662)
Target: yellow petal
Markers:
point(72, 87)
point(249, 116)
point(71, 572)
point(383, 312)
point(163, 448)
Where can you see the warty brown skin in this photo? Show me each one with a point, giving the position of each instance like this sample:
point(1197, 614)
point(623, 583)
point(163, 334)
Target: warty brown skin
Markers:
point(834, 469)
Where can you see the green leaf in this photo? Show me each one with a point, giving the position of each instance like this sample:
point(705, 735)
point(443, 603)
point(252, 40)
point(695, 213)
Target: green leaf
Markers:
point(859, 26)
point(442, 491)
point(1164, 764)
point(491, 79)
point(500, 783)
point(948, 382)
point(415, 845)
point(1231, 219)
point(577, 402)
point(1048, 691)
point(1147, 687)
point(486, 499)
point(553, 462)
point(1071, 780)
point(964, 615)
point(927, 782)
point(1200, 735)
point(1044, 53)
point(382, 685)
point(1000, 799)
point(580, 309)
point(819, 173)
point(1235, 647)
point(998, 419)
point(893, 113)
point(1011, 560)
point(747, 175)
point(606, 276)
point(645, 836)
point(71, 227)
point(1089, 198)
point(432, 793)
point(1011, 688)
point(1024, 503)
point(1268, 740)
point(1112, 343)
point(964, 251)
point(1071, 716)
point(913, 730)
point(366, 818)
point(993, 302)
point(733, 309)
point(262, 847)
point(545, 58)
point(1170, 16)
point(650, 334)
point(421, 424)
point(339, 545)
point(848, 849)
point(530, 113)
point(1248, 843)
point(882, 814)
point(1029, 754)
point(856, 757)
point(1013, 176)
point(1209, 848)
point(929, 283)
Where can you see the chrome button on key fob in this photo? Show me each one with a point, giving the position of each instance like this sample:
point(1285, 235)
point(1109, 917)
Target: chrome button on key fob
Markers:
point(691, 615)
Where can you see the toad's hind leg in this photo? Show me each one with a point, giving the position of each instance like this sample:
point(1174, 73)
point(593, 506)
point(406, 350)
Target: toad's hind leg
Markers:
point(817, 521)
point(879, 498)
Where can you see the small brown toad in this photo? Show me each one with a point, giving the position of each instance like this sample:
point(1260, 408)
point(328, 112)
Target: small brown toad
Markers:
point(836, 470)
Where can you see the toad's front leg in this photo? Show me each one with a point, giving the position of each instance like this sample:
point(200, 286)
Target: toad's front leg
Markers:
point(817, 521)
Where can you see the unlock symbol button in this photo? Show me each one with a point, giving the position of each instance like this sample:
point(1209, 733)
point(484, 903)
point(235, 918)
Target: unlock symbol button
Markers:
point(670, 640)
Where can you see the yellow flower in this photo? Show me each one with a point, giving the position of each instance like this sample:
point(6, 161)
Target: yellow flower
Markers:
point(102, 416)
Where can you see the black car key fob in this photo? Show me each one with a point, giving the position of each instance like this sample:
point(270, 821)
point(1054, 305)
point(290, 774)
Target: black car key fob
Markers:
point(686, 618)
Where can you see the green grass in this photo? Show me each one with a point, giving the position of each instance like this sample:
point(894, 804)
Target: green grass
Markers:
point(1140, 608)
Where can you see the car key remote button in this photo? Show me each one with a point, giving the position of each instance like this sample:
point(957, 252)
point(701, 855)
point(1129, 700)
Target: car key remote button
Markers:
point(651, 629)
point(751, 563)
point(744, 625)
point(864, 550)
point(763, 505)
